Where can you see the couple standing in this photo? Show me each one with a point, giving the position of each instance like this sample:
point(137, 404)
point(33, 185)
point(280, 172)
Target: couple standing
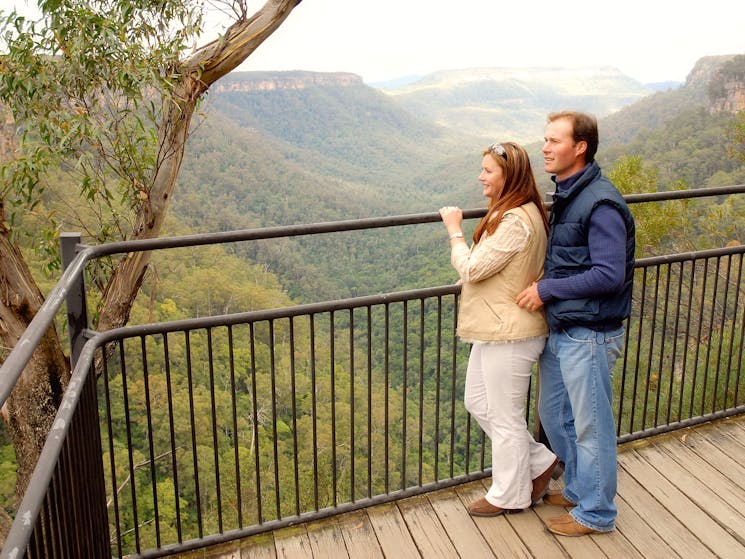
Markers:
point(578, 269)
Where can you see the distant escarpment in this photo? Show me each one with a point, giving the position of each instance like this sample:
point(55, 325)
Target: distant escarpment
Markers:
point(512, 103)
point(727, 87)
point(250, 82)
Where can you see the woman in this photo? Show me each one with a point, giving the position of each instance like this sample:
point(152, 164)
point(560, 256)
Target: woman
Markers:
point(507, 255)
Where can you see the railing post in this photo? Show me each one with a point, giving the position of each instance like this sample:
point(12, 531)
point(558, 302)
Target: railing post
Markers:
point(86, 522)
point(77, 311)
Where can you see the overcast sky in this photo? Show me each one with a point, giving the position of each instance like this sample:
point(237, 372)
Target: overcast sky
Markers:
point(649, 40)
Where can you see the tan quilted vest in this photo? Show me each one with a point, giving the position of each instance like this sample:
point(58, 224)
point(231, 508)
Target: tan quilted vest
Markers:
point(488, 311)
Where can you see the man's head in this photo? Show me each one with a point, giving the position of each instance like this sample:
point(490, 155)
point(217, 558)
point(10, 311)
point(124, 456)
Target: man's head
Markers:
point(571, 142)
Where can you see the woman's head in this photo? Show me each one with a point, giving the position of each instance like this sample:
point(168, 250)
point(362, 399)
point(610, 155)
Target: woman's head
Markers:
point(508, 181)
point(510, 162)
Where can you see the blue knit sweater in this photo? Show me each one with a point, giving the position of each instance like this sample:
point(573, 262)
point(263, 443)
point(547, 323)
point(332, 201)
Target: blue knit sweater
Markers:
point(606, 240)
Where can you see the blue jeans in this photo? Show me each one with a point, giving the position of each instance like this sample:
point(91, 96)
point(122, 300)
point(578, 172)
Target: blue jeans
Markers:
point(576, 410)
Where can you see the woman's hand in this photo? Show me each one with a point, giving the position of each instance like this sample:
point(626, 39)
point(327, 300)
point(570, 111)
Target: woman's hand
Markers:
point(452, 217)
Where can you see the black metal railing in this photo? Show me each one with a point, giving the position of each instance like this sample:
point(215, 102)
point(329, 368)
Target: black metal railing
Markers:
point(195, 432)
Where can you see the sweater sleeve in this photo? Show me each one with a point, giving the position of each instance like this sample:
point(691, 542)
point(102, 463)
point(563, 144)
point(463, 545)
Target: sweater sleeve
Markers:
point(607, 244)
point(492, 253)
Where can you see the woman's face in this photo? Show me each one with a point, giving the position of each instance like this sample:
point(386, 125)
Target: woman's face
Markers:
point(491, 177)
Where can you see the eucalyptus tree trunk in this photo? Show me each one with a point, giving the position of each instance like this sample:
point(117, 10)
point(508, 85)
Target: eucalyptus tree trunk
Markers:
point(203, 68)
point(31, 408)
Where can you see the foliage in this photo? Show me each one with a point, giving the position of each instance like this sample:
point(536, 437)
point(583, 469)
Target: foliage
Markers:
point(271, 159)
point(660, 226)
point(84, 86)
point(736, 135)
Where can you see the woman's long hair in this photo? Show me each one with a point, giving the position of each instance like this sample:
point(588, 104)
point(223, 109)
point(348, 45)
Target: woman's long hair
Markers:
point(519, 187)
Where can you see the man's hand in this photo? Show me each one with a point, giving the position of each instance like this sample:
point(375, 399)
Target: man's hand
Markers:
point(528, 298)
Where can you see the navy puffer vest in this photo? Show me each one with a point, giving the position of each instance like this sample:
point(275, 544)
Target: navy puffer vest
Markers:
point(568, 253)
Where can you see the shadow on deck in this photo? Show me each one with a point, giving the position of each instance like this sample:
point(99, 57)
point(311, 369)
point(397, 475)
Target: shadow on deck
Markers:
point(679, 495)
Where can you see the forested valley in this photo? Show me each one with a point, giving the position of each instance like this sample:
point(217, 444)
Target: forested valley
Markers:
point(326, 152)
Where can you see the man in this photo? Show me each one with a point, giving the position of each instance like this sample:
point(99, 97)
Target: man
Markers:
point(586, 291)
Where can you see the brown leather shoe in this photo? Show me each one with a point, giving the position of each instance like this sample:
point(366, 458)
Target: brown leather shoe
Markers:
point(482, 507)
point(565, 525)
point(540, 484)
point(556, 498)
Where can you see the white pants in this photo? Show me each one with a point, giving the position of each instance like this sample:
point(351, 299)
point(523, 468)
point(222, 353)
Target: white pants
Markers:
point(497, 381)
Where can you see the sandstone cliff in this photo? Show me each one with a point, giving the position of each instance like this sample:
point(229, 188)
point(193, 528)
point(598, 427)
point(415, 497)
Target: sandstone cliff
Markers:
point(724, 80)
point(270, 81)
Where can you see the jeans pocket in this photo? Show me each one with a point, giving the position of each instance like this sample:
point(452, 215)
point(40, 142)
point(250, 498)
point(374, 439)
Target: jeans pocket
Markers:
point(579, 334)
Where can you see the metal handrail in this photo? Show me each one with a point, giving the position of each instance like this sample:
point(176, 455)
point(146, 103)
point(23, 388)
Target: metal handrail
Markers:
point(21, 354)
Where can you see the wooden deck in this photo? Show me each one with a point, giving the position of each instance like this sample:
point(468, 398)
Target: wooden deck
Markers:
point(679, 495)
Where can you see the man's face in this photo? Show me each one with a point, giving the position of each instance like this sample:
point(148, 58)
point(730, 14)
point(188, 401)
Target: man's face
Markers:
point(561, 155)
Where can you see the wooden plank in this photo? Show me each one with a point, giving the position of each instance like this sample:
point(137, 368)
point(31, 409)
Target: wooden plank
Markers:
point(616, 544)
point(699, 442)
point(731, 440)
point(733, 427)
point(731, 492)
point(531, 529)
point(697, 490)
point(229, 550)
point(454, 517)
point(293, 543)
point(326, 539)
point(260, 546)
point(658, 518)
point(392, 532)
point(674, 500)
point(639, 533)
point(497, 532)
point(359, 536)
point(424, 526)
point(577, 548)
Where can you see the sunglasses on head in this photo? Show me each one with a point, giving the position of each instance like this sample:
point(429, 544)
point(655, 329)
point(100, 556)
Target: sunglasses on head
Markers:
point(498, 149)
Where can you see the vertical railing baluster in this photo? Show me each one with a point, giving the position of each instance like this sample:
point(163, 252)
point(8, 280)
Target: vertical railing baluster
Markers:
point(422, 332)
point(736, 395)
point(453, 375)
point(194, 446)
point(650, 352)
point(112, 458)
point(213, 418)
point(293, 389)
point(314, 407)
point(639, 338)
point(273, 385)
point(404, 389)
point(689, 317)
point(332, 396)
point(722, 324)
point(128, 426)
point(256, 432)
point(707, 353)
point(172, 435)
point(386, 379)
point(676, 333)
point(151, 449)
point(663, 339)
point(735, 309)
point(438, 379)
point(369, 402)
point(352, 411)
point(234, 418)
